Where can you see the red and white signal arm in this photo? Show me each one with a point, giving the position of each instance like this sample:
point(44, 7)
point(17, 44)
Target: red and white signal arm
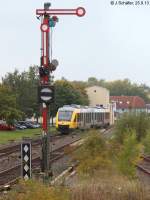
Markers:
point(44, 27)
point(80, 12)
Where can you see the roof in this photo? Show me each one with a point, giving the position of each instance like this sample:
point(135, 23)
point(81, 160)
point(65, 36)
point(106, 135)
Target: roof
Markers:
point(72, 108)
point(128, 102)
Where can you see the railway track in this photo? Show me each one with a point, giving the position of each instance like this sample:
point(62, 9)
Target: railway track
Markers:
point(12, 174)
point(145, 167)
point(4, 152)
point(16, 148)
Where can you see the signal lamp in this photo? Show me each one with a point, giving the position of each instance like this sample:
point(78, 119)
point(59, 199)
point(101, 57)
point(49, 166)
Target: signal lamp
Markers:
point(55, 18)
point(43, 71)
point(52, 23)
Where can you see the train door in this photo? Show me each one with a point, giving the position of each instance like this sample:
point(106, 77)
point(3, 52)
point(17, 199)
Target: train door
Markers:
point(81, 120)
point(75, 121)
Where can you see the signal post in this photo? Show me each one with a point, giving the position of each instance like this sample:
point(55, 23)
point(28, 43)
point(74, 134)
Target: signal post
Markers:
point(48, 19)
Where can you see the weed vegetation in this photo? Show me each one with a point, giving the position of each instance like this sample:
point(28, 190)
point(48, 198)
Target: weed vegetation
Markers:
point(93, 155)
point(101, 187)
point(99, 154)
point(146, 143)
point(107, 167)
point(140, 122)
point(129, 155)
point(30, 190)
point(109, 187)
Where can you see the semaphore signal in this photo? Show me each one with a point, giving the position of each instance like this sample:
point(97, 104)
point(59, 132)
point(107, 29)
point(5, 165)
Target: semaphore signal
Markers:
point(49, 19)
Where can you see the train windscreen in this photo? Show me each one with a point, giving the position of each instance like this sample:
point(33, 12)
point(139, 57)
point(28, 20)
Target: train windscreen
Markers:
point(64, 115)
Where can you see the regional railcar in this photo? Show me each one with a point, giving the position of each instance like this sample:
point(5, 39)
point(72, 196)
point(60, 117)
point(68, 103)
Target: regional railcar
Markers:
point(71, 117)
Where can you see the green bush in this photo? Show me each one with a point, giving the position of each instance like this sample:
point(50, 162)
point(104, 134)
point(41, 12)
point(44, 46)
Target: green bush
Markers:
point(93, 155)
point(140, 122)
point(146, 143)
point(129, 155)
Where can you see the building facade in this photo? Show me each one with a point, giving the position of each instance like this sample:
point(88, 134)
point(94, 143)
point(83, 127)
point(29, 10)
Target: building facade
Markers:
point(98, 96)
point(128, 104)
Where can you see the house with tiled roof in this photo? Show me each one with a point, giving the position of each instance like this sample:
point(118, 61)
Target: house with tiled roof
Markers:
point(128, 103)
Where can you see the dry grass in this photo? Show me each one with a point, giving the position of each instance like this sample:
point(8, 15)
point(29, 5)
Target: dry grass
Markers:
point(36, 191)
point(110, 188)
point(103, 186)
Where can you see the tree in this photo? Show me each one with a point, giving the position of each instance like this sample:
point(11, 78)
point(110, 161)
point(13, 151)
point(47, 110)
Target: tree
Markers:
point(125, 87)
point(92, 81)
point(8, 108)
point(122, 87)
point(24, 86)
point(67, 93)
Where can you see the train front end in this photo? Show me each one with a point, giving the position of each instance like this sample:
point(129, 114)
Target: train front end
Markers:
point(65, 120)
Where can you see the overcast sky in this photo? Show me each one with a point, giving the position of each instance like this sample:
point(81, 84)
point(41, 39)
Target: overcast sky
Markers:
point(110, 42)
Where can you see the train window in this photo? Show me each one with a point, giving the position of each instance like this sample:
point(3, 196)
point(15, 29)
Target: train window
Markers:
point(107, 115)
point(86, 117)
point(90, 116)
point(95, 116)
point(81, 118)
point(98, 117)
point(103, 116)
point(64, 115)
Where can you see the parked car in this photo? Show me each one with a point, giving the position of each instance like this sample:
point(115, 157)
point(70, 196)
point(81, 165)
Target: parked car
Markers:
point(6, 127)
point(19, 126)
point(36, 125)
point(27, 124)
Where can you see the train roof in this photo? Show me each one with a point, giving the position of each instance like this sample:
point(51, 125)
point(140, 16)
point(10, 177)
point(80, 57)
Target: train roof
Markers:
point(81, 109)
